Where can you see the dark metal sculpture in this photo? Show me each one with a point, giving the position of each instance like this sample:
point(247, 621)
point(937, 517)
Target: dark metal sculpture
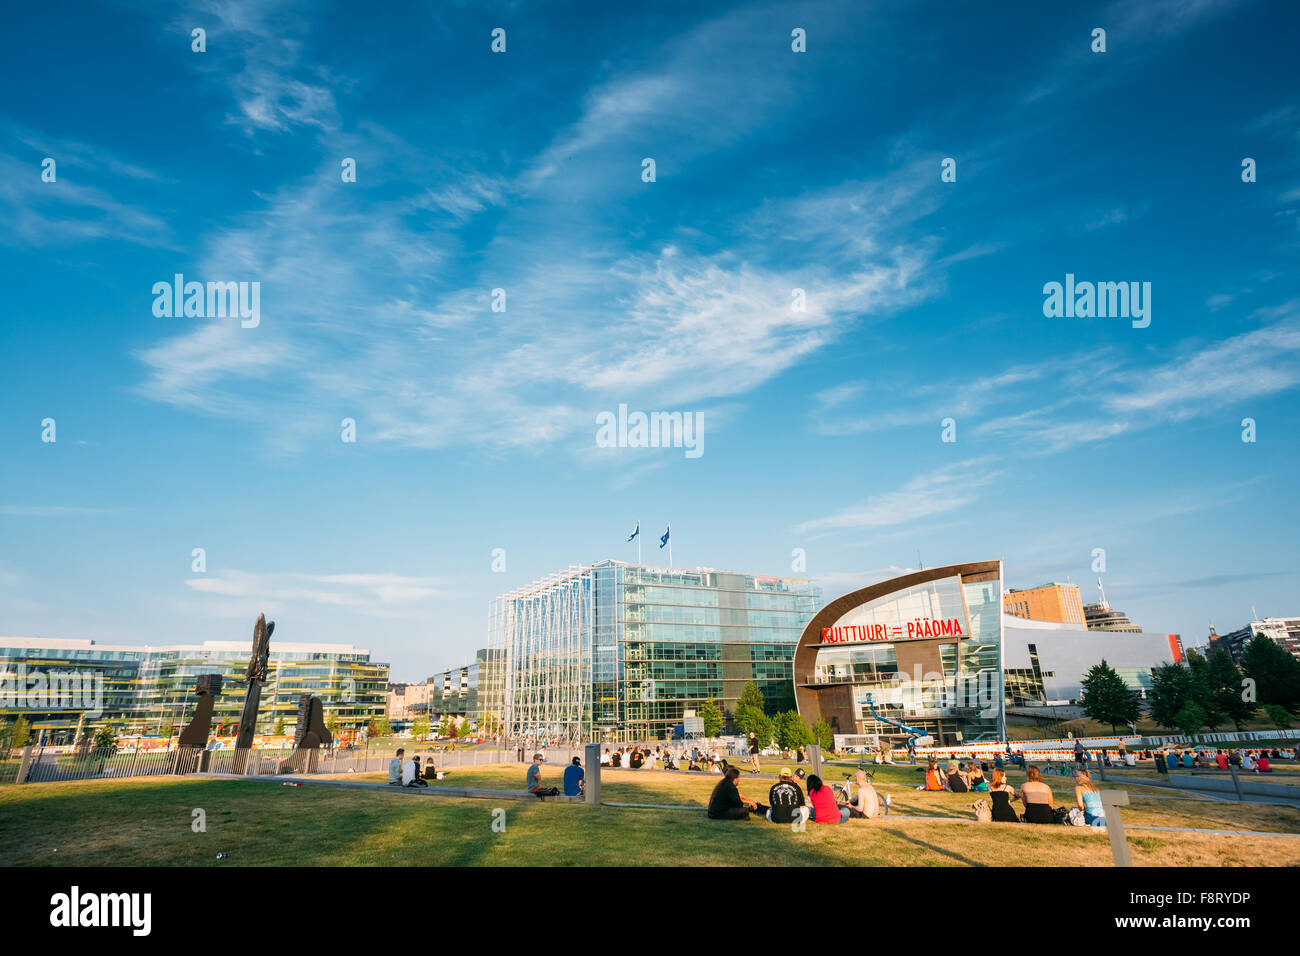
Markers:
point(309, 736)
point(195, 734)
point(255, 677)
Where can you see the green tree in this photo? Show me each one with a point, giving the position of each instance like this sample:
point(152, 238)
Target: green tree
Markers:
point(1202, 689)
point(22, 732)
point(279, 726)
point(464, 727)
point(1278, 715)
point(751, 720)
point(420, 727)
point(105, 742)
point(1106, 698)
point(332, 724)
point(711, 714)
point(168, 728)
point(1171, 690)
point(792, 731)
point(822, 734)
point(1190, 719)
point(1226, 689)
point(1275, 672)
point(751, 696)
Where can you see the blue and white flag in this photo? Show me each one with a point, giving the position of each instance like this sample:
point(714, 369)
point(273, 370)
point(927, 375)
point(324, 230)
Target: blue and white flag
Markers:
point(664, 540)
point(635, 531)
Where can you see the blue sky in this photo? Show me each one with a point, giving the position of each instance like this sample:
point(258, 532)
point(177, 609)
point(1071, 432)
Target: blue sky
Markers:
point(522, 170)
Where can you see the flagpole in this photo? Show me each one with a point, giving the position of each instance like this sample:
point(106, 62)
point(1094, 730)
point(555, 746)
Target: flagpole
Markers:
point(670, 545)
point(638, 540)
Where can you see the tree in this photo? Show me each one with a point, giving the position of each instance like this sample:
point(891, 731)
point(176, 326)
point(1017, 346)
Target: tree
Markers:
point(751, 696)
point(332, 724)
point(792, 731)
point(453, 728)
point(1277, 713)
point(22, 732)
point(1190, 719)
point(420, 727)
point(105, 742)
point(1106, 698)
point(168, 728)
point(1226, 689)
point(1171, 690)
point(1275, 672)
point(711, 714)
point(279, 726)
point(752, 720)
point(1202, 689)
point(822, 734)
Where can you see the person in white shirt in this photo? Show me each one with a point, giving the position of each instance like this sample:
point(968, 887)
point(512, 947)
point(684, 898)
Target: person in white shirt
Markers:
point(408, 773)
point(1247, 761)
point(626, 761)
point(604, 758)
point(650, 757)
point(1129, 759)
point(395, 768)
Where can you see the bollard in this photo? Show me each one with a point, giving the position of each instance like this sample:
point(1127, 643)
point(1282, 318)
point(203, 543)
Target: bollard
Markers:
point(1236, 781)
point(815, 758)
point(1111, 801)
point(591, 778)
point(24, 765)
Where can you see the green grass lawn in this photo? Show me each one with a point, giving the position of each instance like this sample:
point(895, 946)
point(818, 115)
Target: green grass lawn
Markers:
point(259, 822)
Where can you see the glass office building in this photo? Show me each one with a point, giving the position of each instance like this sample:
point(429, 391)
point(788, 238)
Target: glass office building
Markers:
point(921, 651)
point(146, 689)
point(618, 652)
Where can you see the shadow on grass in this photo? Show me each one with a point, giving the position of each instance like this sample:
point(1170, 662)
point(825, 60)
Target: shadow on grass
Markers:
point(932, 848)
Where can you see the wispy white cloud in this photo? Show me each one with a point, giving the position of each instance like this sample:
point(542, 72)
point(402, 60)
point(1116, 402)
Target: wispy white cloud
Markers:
point(377, 595)
point(944, 489)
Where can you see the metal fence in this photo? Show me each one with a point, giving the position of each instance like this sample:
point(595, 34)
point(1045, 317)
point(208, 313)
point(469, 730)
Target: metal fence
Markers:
point(44, 766)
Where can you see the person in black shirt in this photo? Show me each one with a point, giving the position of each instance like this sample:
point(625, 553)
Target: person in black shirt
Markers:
point(787, 800)
point(728, 803)
point(638, 759)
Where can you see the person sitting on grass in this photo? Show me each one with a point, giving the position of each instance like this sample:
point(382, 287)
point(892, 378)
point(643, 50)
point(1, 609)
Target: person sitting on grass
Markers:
point(429, 772)
point(957, 780)
point(976, 779)
point(1088, 799)
point(1262, 765)
point(395, 767)
point(1037, 797)
point(787, 801)
point(867, 803)
point(1002, 793)
point(411, 773)
point(728, 803)
point(574, 778)
point(605, 758)
point(825, 809)
point(933, 781)
point(533, 779)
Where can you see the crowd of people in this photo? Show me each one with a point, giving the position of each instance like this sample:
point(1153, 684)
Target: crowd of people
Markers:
point(643, 758)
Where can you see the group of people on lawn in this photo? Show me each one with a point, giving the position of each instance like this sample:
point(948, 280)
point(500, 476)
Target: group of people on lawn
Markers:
point(787, 804)
point(406, 772)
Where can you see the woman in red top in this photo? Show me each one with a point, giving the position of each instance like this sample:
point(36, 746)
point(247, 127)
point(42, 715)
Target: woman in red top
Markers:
point(825, 809)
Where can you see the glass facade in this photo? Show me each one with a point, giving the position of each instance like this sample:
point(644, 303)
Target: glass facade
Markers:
point(147, 689)
point(924, 657)
point(655, 643)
